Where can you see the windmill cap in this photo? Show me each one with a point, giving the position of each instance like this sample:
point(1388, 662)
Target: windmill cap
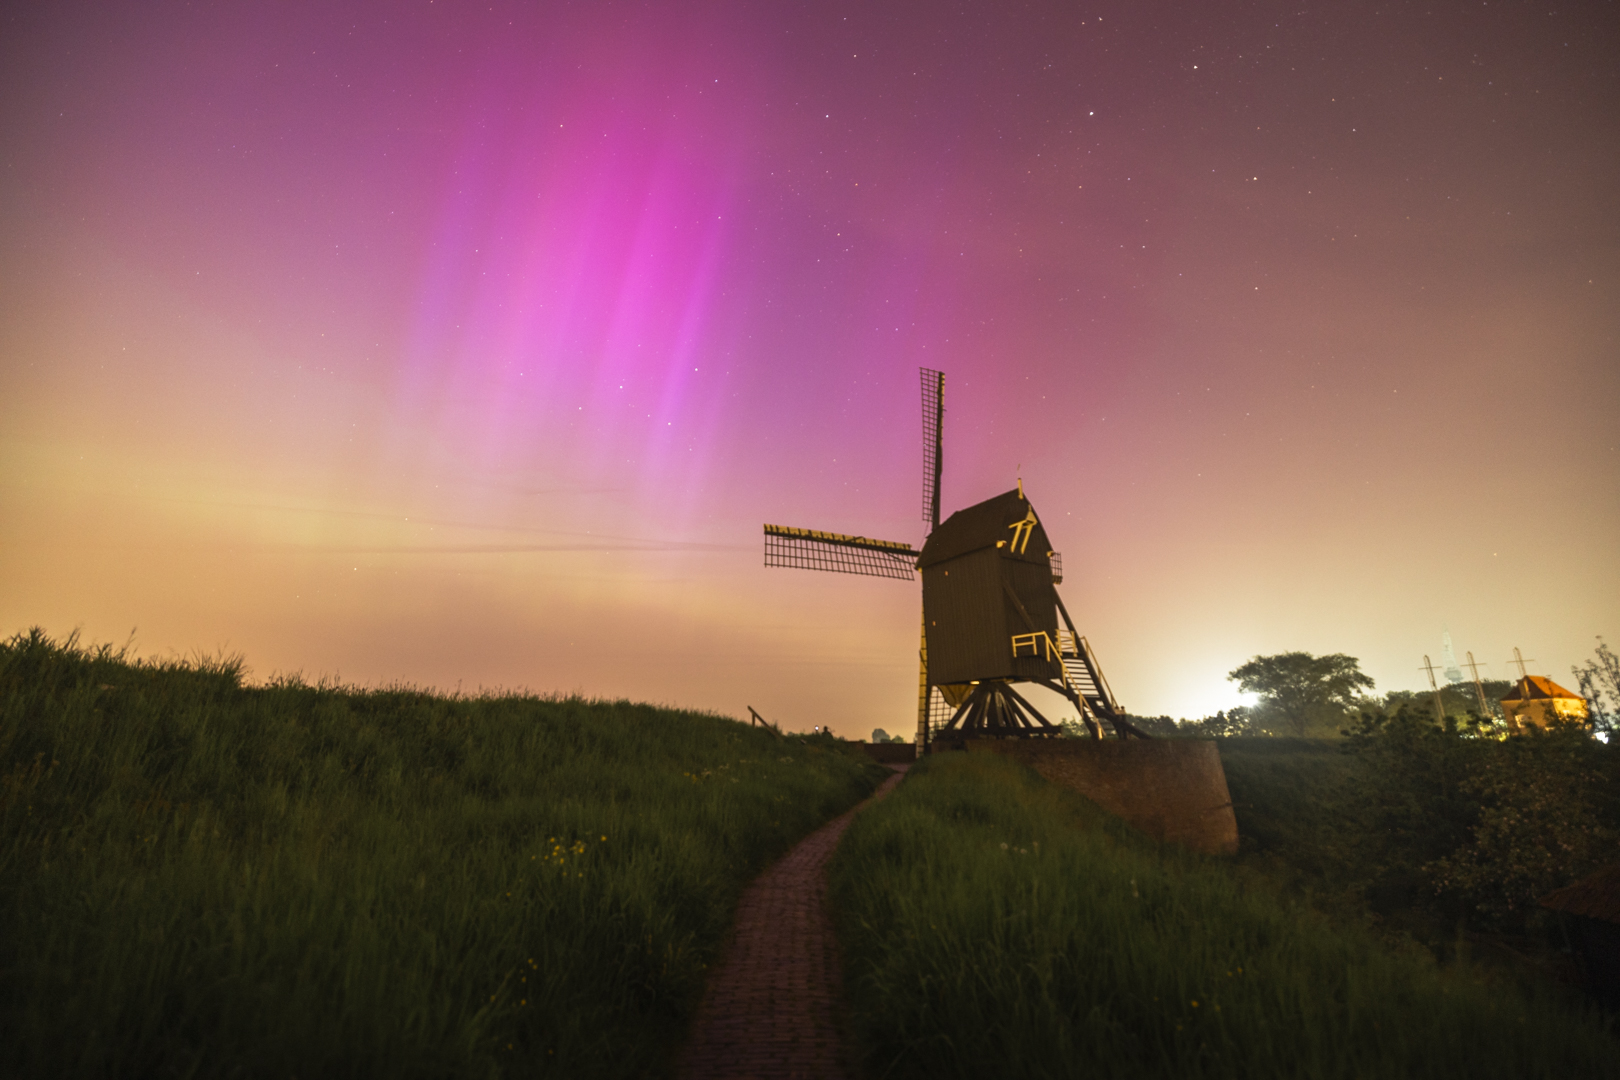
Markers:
point(1540, 688)
point(982, 526)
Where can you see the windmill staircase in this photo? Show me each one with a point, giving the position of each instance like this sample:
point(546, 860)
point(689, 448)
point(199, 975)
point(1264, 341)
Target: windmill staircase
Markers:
point(1083, 675)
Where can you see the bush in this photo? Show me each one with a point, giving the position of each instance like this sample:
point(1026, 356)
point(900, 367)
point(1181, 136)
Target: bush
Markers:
point(1431, 827)
point(1485, 825)
point(1223, 725)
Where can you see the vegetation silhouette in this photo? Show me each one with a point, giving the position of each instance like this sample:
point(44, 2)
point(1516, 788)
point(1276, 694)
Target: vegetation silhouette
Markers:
point(1299, 688)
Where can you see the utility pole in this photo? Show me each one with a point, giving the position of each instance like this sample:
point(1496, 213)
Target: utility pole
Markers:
point(1439, 709)
point(1521, 661)
point(1484, 710)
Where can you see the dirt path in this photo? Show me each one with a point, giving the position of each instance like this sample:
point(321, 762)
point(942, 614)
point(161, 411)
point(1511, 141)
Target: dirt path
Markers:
point(770, 1010)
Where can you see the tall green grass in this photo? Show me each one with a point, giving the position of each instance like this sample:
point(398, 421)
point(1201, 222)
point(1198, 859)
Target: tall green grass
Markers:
point(1293, 800)
point(199, 878)
point(996, 925)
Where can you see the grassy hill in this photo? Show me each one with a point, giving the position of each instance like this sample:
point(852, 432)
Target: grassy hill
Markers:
point(203, 878)
point(997, 925)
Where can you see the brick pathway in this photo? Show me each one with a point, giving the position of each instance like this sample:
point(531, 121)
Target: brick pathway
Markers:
point(770, 1009)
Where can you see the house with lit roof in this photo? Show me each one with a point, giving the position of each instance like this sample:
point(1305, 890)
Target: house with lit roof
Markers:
point(1540, 701)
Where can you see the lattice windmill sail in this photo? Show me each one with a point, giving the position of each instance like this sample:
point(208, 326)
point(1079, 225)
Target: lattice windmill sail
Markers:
point(990, 606)
point(811, 549)
point(933, 405)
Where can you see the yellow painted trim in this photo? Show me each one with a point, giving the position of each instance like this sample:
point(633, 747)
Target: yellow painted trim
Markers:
point(1022, 531)
point(1040, 643)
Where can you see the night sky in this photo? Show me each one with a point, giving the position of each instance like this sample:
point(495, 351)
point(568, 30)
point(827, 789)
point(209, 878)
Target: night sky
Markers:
point(470, 345)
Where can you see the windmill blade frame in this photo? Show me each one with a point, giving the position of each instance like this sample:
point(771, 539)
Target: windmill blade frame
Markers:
point(813, 549)
point(933, 431)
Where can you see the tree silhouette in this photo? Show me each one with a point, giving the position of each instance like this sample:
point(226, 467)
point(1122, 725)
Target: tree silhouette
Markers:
point(1296, 683)
point(1600, 686)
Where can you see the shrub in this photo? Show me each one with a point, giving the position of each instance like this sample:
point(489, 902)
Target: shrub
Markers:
point(1483, 826)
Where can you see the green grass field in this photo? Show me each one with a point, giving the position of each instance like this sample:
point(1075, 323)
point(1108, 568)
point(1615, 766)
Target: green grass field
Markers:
point(996, 925)
point(199, 878)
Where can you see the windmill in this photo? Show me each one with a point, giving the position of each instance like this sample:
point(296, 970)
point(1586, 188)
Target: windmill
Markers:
point(991, 614)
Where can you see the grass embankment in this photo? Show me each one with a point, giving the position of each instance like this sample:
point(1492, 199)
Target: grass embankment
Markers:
point(1292, 800)
point(198, 878)
point(996, 925)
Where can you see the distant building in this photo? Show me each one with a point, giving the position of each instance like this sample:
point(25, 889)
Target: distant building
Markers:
point(1540, 701)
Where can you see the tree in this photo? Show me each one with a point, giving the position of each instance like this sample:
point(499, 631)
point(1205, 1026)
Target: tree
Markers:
point(1223, 725)
point(1458, 699)
point(1297, 685)
point(1476, 826)
point(1600, 686)
point(1545, 801)
point(1159, 727)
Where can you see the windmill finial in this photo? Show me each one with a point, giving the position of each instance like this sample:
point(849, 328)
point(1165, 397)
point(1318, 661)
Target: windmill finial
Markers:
point(1020, 480)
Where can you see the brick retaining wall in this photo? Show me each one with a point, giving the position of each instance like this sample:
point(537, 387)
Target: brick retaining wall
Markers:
point(1172, 789)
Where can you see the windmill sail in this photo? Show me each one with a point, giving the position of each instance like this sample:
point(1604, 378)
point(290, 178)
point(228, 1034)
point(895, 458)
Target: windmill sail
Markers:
point(933, 409)
point(812, 549)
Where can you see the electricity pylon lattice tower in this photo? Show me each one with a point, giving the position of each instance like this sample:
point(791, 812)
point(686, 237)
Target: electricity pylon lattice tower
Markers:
point(991, 613)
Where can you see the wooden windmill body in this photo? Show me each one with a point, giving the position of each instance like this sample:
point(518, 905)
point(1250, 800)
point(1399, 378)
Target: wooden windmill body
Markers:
point(991, 616)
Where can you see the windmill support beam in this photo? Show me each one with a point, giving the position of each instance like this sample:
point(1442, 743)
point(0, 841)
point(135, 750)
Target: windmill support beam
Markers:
point(924, 692)
point(995, 709)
